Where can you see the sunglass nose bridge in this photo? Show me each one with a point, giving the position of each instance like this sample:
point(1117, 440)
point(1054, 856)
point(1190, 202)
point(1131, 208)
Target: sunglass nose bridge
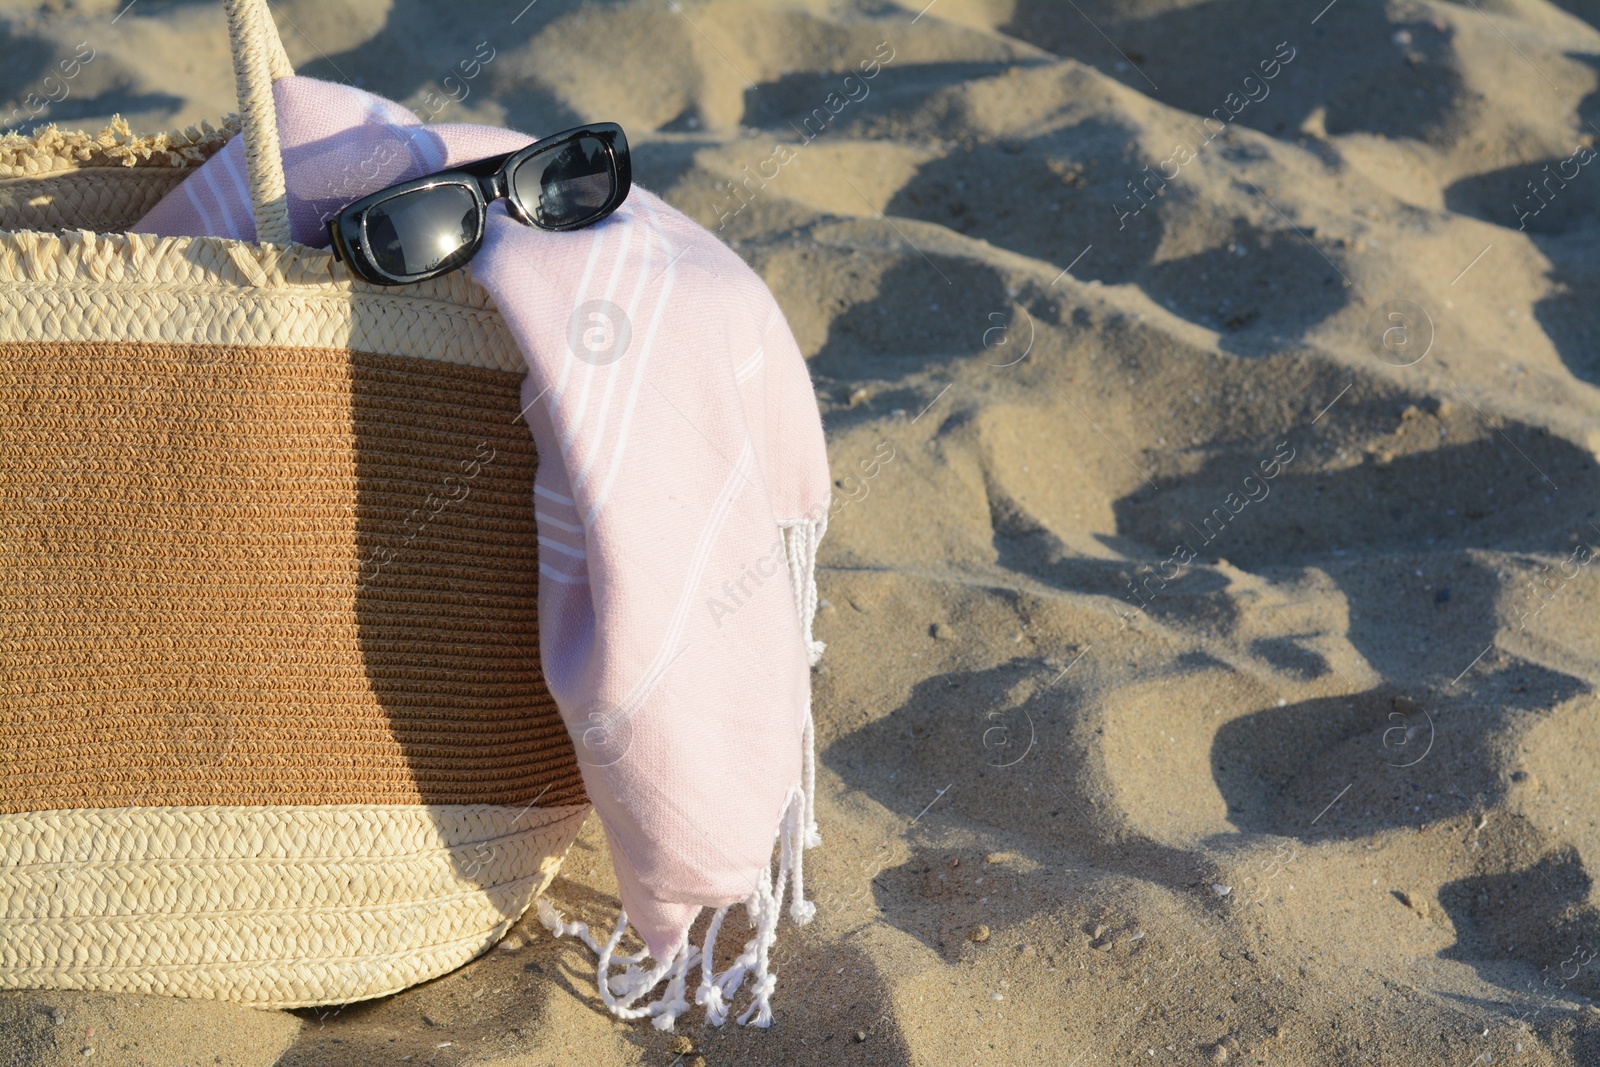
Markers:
point(494, 185)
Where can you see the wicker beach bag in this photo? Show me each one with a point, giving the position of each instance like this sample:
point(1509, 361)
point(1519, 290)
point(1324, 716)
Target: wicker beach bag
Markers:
point(273, 727)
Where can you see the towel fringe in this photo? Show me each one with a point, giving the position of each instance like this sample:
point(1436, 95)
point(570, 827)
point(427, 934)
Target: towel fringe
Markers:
point(800, 540)
point(808, 781)
point(709, 995)
point(675, 1002)
point(620, 993)
point(553, 921)
point(763, 981)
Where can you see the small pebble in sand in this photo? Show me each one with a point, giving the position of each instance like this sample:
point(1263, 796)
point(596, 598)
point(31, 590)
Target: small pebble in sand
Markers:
point(1415, 903)
point(87, 1050)
point(978, 933)
point(55, 1015)
point(698, 1061)
point(942, 631)
point(861, 1035)
point(1221, 890)
point(682, 1045)
point(1219, 1054)
point(1097, 931)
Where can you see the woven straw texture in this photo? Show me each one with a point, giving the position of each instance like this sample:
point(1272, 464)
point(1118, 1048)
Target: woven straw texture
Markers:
point(273, 727)
point(268, 576)
point(105, 198)
point(50, 150)
point(82, 286)
point(274, 907)
point(106, 181)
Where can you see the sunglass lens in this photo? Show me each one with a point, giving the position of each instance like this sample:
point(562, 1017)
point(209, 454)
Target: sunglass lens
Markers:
point(570, 183)
point(423, 230)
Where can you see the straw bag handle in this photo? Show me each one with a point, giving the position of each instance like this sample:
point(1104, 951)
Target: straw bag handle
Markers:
point(258, 61)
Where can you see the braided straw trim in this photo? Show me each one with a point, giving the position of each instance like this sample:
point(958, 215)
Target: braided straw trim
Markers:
point(277, 907)
point(84, 286)
point(50, 150)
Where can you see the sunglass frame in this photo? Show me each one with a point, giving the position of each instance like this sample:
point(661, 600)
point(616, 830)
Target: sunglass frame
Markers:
point(487, 180)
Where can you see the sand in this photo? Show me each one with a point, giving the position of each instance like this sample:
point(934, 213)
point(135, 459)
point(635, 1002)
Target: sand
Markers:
point(1209, 599)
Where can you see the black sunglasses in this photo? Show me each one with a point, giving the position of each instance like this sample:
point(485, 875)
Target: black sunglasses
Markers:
point(432, 225)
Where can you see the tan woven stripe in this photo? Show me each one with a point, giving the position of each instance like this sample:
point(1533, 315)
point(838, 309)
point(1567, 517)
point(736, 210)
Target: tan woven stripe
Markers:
point(275, 907)
point(268, 576)
point(80, 286)
point(92, 198)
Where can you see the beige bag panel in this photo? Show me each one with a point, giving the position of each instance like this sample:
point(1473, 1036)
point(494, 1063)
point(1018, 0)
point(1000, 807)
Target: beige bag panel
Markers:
point(273, 722)
point(133, 287)
point(56, 180)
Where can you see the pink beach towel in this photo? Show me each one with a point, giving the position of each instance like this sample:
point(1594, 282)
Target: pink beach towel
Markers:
point(681, 467)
